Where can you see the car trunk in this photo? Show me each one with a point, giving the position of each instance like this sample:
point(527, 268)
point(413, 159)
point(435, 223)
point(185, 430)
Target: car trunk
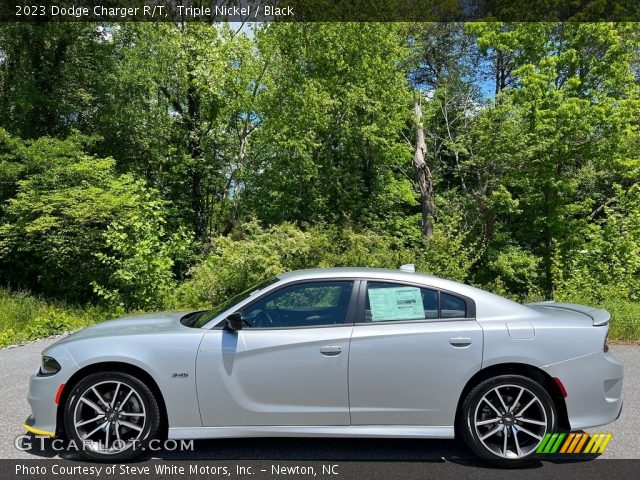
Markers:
point(598, 316)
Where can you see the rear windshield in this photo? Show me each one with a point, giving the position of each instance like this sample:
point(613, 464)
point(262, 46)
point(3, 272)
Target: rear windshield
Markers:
point(201, 318)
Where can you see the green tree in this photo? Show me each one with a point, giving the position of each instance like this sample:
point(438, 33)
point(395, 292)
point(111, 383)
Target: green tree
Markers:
point(75, 225)
point(50, 76)
point(330, 146)
point(564, 132)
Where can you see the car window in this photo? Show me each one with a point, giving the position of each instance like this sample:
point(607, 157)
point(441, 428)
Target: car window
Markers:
point(394, 301)
point(452, 306)
point(302, 305)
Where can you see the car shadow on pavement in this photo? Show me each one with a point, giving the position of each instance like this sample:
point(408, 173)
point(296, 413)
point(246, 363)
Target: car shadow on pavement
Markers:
point(311, 449)
point(304, 449)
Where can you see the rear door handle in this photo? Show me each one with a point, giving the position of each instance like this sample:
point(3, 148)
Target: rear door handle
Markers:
point(331, 350)
point(460, 341)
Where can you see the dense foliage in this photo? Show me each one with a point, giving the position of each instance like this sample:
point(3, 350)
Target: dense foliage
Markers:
point(171, 165)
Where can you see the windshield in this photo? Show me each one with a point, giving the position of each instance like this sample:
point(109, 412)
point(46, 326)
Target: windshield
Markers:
point(200, 319)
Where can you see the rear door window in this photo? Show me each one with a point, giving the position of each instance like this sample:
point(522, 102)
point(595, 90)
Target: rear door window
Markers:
point(387, 302)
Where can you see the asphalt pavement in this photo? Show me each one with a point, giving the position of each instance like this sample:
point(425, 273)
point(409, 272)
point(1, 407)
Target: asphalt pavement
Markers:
point(19, 363)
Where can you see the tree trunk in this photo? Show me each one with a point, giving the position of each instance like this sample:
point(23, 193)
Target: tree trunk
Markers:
point(425, 182)
point(194, 149)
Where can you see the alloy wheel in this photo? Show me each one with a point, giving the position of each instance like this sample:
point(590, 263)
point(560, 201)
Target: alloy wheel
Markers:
point(510, 421)
point(109, 417)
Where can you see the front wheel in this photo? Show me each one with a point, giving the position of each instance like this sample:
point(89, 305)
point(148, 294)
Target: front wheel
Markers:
point(504, 419)
point(111, 416)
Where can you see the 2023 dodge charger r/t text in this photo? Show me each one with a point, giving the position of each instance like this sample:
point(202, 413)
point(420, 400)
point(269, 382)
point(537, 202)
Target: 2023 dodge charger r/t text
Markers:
point(340, 352)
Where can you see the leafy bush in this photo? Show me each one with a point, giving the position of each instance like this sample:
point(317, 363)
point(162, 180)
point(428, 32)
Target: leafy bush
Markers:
point(254, 253)
point(363, 249)
point(53, 322)
point(453, 249)
point(605, 263)
point(625, 319)
point(140, 256)
point(515, 271)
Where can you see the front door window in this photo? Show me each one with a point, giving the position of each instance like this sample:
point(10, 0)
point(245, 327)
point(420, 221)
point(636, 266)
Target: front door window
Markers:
point(310, 304)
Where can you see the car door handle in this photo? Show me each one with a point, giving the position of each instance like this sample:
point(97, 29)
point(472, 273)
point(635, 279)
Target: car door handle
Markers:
point(331, 350)
point(460, 341)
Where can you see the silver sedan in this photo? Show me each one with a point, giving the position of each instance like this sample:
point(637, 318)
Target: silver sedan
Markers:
point(340, 352)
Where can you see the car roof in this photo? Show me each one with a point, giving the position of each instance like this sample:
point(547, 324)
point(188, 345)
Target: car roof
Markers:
point(349, 272)
point(379, 274)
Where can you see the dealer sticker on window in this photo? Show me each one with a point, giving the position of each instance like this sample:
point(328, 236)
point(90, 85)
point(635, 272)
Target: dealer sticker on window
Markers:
point(401, 303)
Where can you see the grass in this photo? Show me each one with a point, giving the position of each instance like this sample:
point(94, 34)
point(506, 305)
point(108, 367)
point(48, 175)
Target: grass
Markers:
point(625, 320)
point(24, 317)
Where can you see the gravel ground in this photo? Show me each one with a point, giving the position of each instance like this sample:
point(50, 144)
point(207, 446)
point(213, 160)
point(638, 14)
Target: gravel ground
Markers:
point(18, 364)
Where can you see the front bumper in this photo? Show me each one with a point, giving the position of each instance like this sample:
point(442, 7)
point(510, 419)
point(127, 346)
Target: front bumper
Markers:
point(29, 427)
point(594, 388)
point(44, 411)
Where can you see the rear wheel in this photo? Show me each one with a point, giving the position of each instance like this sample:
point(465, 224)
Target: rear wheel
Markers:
point(504, 419)
point(111, 416)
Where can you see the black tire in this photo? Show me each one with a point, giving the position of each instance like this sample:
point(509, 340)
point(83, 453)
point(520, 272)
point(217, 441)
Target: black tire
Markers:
point(477, 419)
point(143, 419)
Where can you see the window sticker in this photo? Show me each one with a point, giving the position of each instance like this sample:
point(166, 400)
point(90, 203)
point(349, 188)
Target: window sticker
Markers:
point(401, 303)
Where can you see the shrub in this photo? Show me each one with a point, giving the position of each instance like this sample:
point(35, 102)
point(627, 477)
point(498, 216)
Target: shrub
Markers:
point(254, 253)
point(452, 250)
point(53, 322)
point(139, 257)
point(606, 263)
point(515, 271)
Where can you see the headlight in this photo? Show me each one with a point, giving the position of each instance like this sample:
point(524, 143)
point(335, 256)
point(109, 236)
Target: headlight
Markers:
point(49, 366)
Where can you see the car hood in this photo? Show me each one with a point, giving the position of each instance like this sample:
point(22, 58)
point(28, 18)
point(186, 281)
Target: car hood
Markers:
point(133, 325)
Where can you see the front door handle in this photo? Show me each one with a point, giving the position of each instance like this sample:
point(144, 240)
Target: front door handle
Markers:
point(460, 341)
point(331, 350)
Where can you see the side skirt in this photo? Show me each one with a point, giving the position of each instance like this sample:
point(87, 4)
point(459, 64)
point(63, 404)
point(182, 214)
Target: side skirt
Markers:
point(381, 431)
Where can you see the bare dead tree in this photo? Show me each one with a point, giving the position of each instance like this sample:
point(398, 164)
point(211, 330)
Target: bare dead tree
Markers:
point(423, 172)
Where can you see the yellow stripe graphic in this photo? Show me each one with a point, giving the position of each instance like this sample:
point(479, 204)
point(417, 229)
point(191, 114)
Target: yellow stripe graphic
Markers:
point(597, 439)
point(567, 443)
point(606, 441)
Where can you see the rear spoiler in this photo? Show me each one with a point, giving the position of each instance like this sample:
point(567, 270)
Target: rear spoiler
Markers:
point(599, 316)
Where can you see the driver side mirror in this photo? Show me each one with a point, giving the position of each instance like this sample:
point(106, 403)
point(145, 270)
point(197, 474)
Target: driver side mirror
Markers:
point(235, 321)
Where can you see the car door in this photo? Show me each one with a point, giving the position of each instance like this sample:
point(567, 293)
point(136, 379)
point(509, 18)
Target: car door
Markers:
point(412, 351)
point(287, 366)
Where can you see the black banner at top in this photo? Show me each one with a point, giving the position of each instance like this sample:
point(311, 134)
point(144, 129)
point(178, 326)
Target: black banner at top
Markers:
point(319, 10)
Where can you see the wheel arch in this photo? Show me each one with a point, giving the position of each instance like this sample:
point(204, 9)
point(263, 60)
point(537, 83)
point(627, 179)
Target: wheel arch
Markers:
point(529, 371)
point(121, 367)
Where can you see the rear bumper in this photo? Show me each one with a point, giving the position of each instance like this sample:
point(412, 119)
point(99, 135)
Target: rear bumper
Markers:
point(594, 388)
